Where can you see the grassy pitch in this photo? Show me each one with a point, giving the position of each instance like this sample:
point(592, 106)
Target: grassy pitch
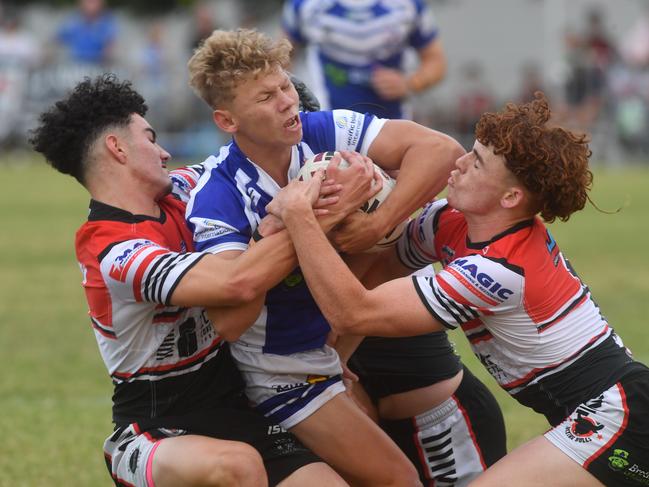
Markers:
point(55, 392)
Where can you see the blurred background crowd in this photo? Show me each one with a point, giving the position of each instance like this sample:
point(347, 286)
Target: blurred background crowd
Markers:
point(591, 57)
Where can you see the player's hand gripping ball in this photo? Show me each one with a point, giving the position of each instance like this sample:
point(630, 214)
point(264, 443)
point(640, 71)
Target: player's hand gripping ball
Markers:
point(322, 160)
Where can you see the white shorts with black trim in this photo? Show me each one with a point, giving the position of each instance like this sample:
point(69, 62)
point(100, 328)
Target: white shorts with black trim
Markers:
point(129, 454)
point(289, 388)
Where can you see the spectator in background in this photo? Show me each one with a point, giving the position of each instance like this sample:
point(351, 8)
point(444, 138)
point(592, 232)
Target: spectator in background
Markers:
point(204, 24)
point(18, 47)
point(89, 33)
point(531, 82)
point(358, 50)
point(474, 99)
point(20, 53)
point(589, 57)
point(630, 88)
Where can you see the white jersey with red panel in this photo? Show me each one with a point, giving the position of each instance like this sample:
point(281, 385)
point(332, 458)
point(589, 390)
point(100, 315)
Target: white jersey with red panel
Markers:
point(131, 265)
point(524, 311)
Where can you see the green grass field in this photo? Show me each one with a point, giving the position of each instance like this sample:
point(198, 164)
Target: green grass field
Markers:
point(54, 390)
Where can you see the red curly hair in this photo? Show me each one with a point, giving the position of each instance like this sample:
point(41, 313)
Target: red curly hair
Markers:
point(551, 162)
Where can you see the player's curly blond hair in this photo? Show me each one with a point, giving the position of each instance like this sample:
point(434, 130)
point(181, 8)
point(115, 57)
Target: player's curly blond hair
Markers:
point(551, 162)
point(226, 58)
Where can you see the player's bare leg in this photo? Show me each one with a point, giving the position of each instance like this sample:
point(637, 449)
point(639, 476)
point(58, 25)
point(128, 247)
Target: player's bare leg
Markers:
point(537, 463)
point(314, 475)
point(201, 461)
point(348, 440)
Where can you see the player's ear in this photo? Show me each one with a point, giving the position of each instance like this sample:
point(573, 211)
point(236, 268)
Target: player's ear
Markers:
point(113, 144)
point(225, 121)
point(513, 197)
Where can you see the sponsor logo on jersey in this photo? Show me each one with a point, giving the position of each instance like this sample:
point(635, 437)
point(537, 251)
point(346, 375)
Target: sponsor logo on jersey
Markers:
point(120, 266)
point(620, 461)
point(207, 229)
point(275, 429)
point(293, 280)
point(289, 387)
point(487, 283)
point(351, 123)
point(584, 428)
point(449, 252)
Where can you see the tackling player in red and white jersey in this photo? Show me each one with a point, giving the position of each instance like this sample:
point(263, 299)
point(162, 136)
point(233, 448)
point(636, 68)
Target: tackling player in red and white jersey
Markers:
point(527, 315)
point(180, 415)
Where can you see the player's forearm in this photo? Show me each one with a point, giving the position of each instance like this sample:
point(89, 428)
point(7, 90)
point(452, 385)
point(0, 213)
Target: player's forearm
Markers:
point(332, 284)
point(431, 70)
point(423, 173)
point(346, 345)
point(231, 322)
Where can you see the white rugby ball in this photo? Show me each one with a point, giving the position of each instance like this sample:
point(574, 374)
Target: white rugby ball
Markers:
point(322, 160)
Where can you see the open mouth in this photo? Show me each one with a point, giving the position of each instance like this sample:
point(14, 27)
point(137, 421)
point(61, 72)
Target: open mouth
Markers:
point(292, 122)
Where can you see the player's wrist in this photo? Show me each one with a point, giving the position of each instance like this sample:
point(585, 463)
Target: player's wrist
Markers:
point(415, 83)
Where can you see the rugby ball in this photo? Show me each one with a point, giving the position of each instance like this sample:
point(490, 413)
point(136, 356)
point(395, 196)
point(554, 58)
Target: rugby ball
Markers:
point(322, 160)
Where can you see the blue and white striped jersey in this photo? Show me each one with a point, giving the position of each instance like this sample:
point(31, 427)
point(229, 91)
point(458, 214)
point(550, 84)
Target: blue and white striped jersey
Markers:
point(347, 39)
point(229, 201)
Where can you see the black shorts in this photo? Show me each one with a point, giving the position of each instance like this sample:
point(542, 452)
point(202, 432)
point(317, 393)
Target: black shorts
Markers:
point(609, 434)
point(457, 440)
point(281, 452)
point(388, 366)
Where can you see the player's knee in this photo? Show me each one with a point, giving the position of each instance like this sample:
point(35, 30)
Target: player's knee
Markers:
point(407, 476)
point(240, 466)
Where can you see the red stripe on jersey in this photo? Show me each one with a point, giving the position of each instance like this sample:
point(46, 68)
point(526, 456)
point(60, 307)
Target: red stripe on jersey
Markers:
point(166, 318)
point(467, 420)
point(119, 273)
point(137, 279)
point(472, 325)
point(457, 297)
point(169, 367)
point(481, 337)
point(581, 301)
point(535, 372)
point(187, 176)
point(625, 422)
point(470, 287)
point(547, 292)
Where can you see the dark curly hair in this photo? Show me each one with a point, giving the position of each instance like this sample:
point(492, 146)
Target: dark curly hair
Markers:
point(67, 131)
point(551, 162)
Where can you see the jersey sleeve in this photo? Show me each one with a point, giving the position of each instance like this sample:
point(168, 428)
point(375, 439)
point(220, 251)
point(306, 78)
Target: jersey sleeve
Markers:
point(416, 247)
point(470, 288)
point(142, 271)
point(291, 20)
point(184, 179)
point(425, 29)
point(217, 218)
point(340, 130)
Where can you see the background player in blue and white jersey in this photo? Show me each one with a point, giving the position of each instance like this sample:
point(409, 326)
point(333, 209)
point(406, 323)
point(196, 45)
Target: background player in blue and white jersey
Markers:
point(505, 282)
point(180, 415)
point(356, 51)
point(291, 374)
